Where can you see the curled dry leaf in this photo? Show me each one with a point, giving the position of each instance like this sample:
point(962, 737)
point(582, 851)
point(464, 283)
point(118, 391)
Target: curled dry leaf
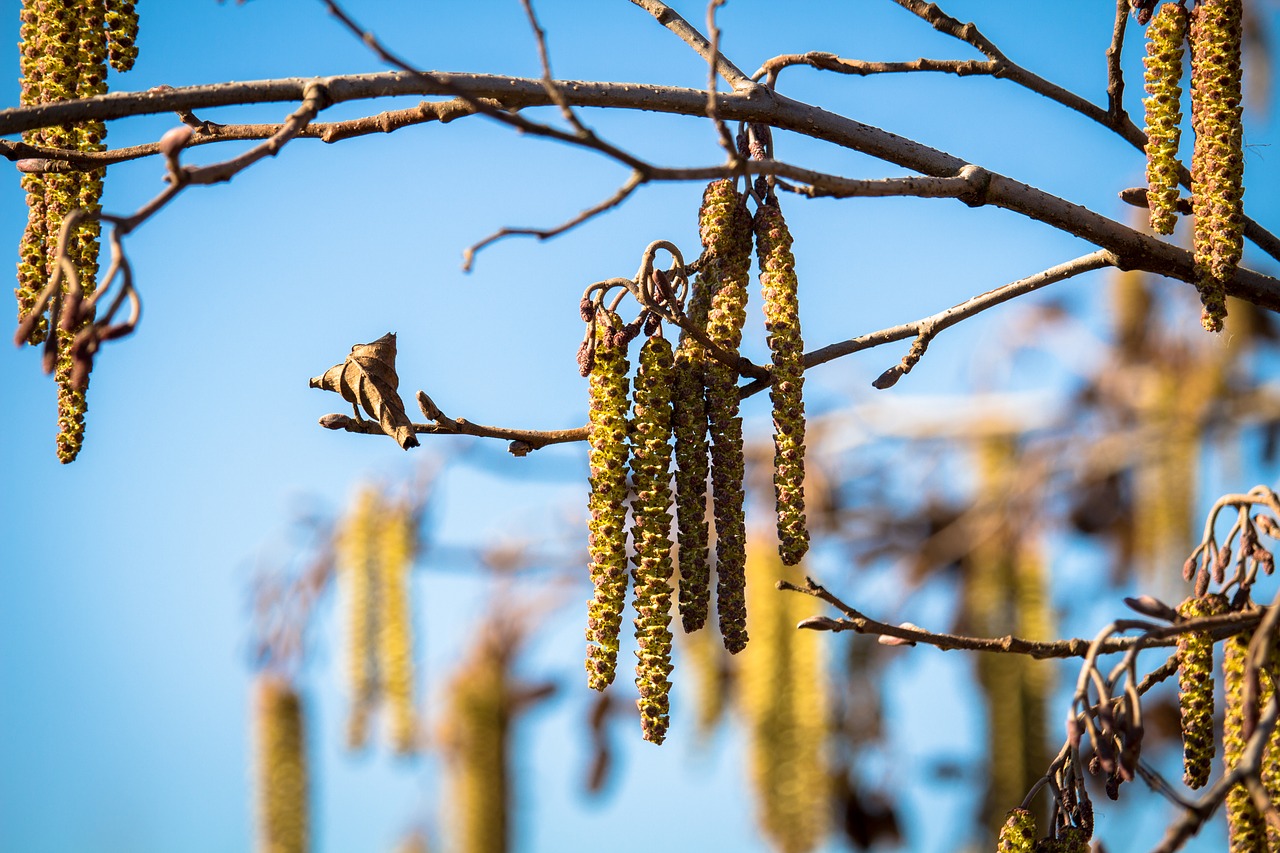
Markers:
point(368, 379)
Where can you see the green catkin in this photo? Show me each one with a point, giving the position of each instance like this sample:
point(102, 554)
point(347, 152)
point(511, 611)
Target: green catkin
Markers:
point(1166, 35)
point(689, 424)
point(33, 250)
point(1195, 690)
point(607, 458)
point(725, 225)
point(1246, 832)
point(782, 322)
point(651, 533)
point(283, 823)
point(1217, 160)
point(1018, 834)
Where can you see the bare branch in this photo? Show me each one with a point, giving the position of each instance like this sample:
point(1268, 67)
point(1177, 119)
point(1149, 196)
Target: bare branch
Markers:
point(671, 19)
point(540, 36)
point(936, 323)
point(621, 195)
point(825, 61)
point(858, 622)
point(522, 441)
point(1115, 74)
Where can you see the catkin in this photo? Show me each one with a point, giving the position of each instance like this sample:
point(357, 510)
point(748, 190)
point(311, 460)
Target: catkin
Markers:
point(725, 226)
point(1246, 831)
point(784, 700)
point(397, 545)
point(1195, 690)
point(651, 533)
point(122, 33)
point(356, 556)
point(689, 425)
point(1018, 834)
point(282, 768)
point(64, 53)
point(1166, 36)
point(782, 322)
point(607, 458)
point(476, 734)
point(1217, 160)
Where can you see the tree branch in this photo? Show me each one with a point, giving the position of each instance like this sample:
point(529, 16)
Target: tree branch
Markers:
point(687, 33)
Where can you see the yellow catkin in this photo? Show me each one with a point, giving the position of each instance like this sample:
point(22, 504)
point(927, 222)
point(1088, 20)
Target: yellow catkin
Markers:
point(283, 823)
point(1017, 833)
point(1195, 691)
point(476, 733)
point(782, 322)
point(651, 533)
point(1166, 36)
point(706, 664)
point(1006, 592)
point(607, 458)
point(784, 698)
point(122, 33)
point(689, 426)
point(725, 226)
point(397, 547)
point(1217, 160)
point(1246, 831)
point(64, 55)
point(356, 553)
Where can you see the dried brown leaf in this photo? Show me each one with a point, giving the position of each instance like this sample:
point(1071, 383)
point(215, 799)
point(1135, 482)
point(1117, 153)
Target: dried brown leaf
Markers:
point(368, 379)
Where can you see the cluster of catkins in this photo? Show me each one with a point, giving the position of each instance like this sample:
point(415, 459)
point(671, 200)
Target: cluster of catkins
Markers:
point(1213, 29)
point(687, 397)
point(375, 548)
point(66, 46)
point(1246, 828)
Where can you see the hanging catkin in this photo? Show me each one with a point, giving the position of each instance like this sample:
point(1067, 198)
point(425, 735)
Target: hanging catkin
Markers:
point(356, 552)
point(689, 424)
point(651, 533)
point(725, 225)
point(64, 53)
point(282, 767)
point(1166, 37)
point(476, 736)
point(1217, 160)
point(782, 322)
point(1018, 833)
point(397, 546)
point(607, 458)
point(784, 699)
point(1195, 690)
point(1246, 832)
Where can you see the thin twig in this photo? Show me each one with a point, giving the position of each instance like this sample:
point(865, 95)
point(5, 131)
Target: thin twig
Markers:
point(553, 90)
point(687, 33)
point(1115, 73)
point(1165, 635)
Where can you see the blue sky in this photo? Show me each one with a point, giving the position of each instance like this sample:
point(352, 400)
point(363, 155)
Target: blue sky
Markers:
point(124, 675)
